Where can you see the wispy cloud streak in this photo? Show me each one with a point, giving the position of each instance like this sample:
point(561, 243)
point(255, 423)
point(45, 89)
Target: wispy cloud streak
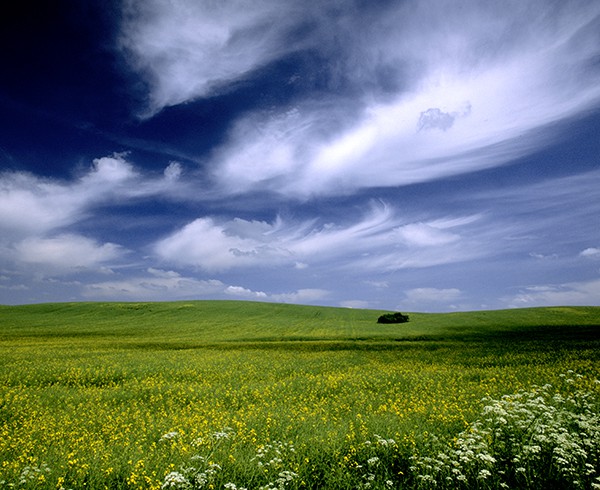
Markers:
point(422, 91)
point(327, 152)
point(190, 49)
point(575, 293)
point(378, 239)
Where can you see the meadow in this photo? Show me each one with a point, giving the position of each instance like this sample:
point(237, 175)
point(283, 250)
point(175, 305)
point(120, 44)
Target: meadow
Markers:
point(231, 395)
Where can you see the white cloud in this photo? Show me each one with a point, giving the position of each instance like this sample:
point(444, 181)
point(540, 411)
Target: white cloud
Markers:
point(489, 92)
point(29, 204)
point(173, 171)
point(421, 234)
point(374, 240)
point(34, 205)
point(584, 293)
point(187, 49)
point(354, 303)
point(245, 293)
point(214, 246)
point(162, 273)
point(301, 296)
point(378, 284)
point(543, 257)
point(161, 285)
point(110, 170)
point(157, 285)
point(65, 252)
point(591, 253)
point(444, 88)
point(38, 215)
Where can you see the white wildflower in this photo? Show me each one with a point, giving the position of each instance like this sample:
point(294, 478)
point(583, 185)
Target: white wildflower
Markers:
point(169, 436)
point(175, 480)
point(483, 474)
point(233, 486)
point(226, 433)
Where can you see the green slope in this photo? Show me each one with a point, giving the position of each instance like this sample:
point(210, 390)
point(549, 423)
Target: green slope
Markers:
point(91, 388)
point(195, 323)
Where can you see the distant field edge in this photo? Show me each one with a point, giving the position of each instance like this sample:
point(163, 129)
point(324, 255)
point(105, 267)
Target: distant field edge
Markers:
point(232, 302)
point(219, 323)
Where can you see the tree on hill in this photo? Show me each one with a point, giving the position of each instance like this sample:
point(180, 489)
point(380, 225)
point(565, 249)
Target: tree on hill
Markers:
point(393, 318)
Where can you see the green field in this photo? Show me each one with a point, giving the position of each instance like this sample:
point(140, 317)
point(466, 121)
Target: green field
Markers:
point(226, 394)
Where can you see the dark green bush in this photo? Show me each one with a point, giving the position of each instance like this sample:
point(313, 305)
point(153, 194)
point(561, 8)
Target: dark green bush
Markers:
point(393, 318)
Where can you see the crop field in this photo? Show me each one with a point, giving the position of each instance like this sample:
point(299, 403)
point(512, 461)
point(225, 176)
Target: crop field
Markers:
point(232, 395)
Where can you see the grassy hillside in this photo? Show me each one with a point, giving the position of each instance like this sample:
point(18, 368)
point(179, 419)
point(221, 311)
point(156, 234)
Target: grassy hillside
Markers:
point(204, 322)
point(129, 395)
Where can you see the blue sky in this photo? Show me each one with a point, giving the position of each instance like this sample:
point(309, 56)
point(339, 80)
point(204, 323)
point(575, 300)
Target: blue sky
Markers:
point(425, 155)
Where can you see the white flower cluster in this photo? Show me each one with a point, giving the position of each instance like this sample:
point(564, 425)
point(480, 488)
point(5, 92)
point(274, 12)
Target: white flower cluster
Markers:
point(30, 475)
point(523, 439)
point(233, 486)
point(380, 441)
point(272, 456)
point(169, 436)
point(376, 471)
point(191, 477)
point(283, 479)
point(203, 472)
point(176, 480)
point(226, 433)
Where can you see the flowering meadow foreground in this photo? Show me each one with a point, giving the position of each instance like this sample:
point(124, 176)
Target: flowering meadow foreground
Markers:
point(232, 395)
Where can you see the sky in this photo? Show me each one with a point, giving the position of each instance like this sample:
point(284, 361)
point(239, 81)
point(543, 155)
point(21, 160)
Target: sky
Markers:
point(411, 155)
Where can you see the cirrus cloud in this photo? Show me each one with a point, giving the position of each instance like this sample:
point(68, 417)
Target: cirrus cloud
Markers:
point(377, 239)
point(441, 89)
point(188, 49)
point(573, 293)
